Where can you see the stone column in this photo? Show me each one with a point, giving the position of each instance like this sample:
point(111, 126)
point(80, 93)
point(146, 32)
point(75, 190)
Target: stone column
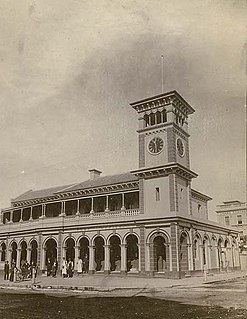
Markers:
point(107, 259)
point(29, 255)
point(18, 258)
point(31, 213)
point(92, 211)
point(43, 257)
point(39, 251)
point(107, 204)
point(62, 213)
point(78, 208)
point(123, 259)
point(91, 260)
point(21, 220)
point(209, 249)
point(76, 256)
point(43, 211)
point(123, 206)
point(142, 250)
point(174, 249)
point(11, 216)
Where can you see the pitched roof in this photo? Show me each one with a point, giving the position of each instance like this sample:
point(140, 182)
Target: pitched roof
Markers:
point(41, 193)
point(102, 181)
point(97, 182)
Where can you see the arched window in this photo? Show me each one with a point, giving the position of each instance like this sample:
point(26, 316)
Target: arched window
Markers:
point(158, 117)
point(132, 253)
point(164, 116)
point(152, 119)
point(3, 252)
point(146, 120)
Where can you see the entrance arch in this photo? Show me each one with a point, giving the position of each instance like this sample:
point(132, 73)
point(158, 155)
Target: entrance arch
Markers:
point(13, 252)
point(99, 257)
point(51, 250)
point(23, 253)
point(34, 252)
point(84, 253)
point(132, 253)
point(70, 249)
point(160, 254)
point(115, 253)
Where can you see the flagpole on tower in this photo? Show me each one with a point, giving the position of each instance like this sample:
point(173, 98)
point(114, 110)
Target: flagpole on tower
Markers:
point(162, 73)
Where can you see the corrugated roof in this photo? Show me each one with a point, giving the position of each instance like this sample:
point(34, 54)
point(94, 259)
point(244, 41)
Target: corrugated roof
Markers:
point(102, 181)
point(97, 182)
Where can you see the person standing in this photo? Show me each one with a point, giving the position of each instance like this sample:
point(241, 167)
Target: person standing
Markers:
point(79, 266)
point(49, 267)
point(64, 268)
point(6, 270)
point(54, 268)
point(70, 268)
point(12, 270)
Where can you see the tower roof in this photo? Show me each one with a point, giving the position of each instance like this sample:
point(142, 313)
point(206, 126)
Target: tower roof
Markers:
point(172, 97)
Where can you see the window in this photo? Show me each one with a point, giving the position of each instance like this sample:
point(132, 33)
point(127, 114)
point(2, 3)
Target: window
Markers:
point(227, 220)
point(199, 208)
point(157, 194)
point(239, 219)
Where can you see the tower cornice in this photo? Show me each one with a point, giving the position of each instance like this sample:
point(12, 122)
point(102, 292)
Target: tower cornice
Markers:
point(164, 170)
point(162, 100)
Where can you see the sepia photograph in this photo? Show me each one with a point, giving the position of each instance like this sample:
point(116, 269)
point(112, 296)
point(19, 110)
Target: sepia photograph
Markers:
point(123, 159)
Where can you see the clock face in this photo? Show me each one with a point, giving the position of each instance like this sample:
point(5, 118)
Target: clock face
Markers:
point(180, 147)
point(155, 146)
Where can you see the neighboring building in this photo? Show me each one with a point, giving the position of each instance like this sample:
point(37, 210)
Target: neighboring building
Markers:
point(148, 221)
point(234, 213)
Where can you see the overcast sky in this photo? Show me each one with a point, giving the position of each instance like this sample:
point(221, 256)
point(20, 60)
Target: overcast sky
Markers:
point(69, 70)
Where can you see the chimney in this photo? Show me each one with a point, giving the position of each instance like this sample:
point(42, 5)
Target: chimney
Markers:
point(94, 173)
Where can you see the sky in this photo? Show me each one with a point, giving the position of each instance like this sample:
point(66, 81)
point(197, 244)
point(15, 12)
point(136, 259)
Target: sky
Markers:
point(70, 68)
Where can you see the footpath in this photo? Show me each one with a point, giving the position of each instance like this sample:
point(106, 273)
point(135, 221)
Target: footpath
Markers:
point(104, 283)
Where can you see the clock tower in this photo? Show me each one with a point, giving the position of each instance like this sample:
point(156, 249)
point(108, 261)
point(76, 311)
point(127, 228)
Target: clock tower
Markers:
point(164, 164)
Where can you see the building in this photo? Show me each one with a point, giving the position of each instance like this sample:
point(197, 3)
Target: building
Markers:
point(234, 213)
point(145, 222)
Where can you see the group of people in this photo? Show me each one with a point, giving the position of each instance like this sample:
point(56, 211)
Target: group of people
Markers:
point(26, 271)
point(67, 267)
point(52, 267)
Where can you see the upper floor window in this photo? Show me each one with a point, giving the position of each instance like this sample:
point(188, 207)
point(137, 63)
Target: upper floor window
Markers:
point(227, 220)
point(3, 252)
point(239, 219)
point(199, 208)
point(157, 194)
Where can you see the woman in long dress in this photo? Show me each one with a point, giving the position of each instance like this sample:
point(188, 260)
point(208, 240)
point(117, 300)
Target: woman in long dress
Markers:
point(79, 266)
point(64, 267)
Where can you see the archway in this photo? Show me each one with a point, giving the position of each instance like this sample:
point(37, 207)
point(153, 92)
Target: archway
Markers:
point(84, 253)
point(34, 252)
point(160, 254)
point(51, 250)
point(13, 252)
point(115, 253)
point(184, 256)
point(99, 257)
point(3, 252)
point(23, 258)
point(132, 253)
point(70, 249)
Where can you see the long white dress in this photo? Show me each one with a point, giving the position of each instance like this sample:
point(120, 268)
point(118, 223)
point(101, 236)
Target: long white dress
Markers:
point(79, 266)
point(64, 267)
